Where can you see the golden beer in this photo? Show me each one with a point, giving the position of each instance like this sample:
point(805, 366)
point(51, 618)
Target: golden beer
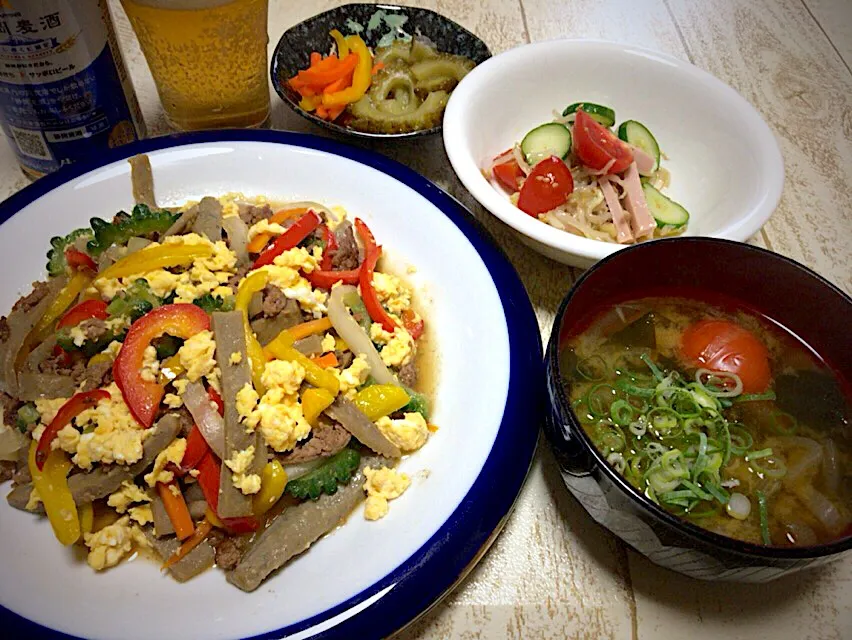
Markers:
point(208, 59)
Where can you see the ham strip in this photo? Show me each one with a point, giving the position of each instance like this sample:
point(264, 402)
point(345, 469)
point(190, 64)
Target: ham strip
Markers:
point(619, 216)
point(643, 223)
point(644, 162)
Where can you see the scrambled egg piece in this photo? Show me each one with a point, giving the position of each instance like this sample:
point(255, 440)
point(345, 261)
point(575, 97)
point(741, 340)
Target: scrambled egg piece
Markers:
point(382, 484)
point(142, 515)
point(392, 292)
point(338, 217)
point(286, 375)
point(173, 401)
point(280, 418)
point(236, 358)
point(222, 259)
point(77, 335)
point(48, 407)
point(239, 464)
point(128, 494)
point(328, 343)
point(213, 379)
point(398, 346)
point(196, 355)
point(162, 282)
point(67, 439)
point(174, 454)
point(112, 349)
point(247, 400)
point(150, 364)
point(408, 434)
point(264, 226)
point(111, 544)
point(180, 385)
point(354, 376)
point(284, 274)
point(110, 433)
point(229, 205)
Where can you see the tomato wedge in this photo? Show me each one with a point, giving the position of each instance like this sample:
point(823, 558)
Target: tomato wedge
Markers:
point(548, 186)
point(508, 174)
point(721, 345)
point(596, 146)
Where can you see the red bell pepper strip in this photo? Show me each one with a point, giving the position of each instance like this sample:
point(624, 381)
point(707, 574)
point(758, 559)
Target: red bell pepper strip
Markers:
point(78, 260)
point(196, 449)
point(64, 358)
point(331, 247)
point(208, 480)
point(143, 397)
point(326, 279)
point(371, 257)
point(413, 324)
point(216, 399)
point(294, 234)
point(86, 310)
point(67, 412)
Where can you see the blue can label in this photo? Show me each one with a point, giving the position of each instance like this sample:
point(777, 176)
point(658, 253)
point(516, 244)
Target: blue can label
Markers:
point(64, 92)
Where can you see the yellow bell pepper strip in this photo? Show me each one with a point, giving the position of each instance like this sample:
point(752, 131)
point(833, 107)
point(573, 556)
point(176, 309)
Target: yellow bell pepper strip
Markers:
point(159, 257)
point(143, 396)
point(196, 538)
point(310, 328)
point(379, 400)
point(87, 517)
point(44, 326)
point(314, 402)
point(342, 45)
point(361, 78)
point(170, 369)
point(51, 483)
point(176, 508)
point(67, 412)
point(254, 283)
point(213, 519)
point(282, 348)
point(272, 483)
point(294, 234)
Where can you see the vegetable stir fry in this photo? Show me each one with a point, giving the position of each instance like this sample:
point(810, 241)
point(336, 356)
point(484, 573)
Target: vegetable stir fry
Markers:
point(222, 383)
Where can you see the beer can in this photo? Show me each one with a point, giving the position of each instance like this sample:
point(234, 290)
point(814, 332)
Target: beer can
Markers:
point(64, 90)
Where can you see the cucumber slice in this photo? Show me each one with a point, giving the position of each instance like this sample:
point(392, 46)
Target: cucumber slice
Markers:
point(665, 211)
point(638, 135)
point(602, 114)
point(551, 139)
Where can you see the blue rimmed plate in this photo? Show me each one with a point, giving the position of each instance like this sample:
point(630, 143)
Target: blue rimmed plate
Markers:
point(366, 579)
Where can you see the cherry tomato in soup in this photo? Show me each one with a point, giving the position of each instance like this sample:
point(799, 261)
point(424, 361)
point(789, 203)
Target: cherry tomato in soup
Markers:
point(508, 174)
point(596, 146)
point(548, 186)
point(721, 345)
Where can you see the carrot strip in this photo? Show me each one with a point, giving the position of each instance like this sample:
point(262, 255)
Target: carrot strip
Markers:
point(315, 57)
point(334, 112)
point(203, 530)
point(176, 509)
point(339, 84)
point(377, 67)
point(309, 328)
point(326, 360)
point(322, 112)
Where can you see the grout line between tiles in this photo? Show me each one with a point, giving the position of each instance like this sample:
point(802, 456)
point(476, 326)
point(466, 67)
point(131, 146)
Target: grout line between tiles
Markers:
point(524, 20)
point(827, 37)
point(680, 35)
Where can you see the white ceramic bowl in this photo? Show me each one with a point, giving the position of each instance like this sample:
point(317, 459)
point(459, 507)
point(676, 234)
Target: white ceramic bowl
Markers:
point(725, 163)
point(366, 579)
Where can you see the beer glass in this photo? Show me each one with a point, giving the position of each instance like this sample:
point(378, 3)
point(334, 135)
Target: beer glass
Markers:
point(208, 59)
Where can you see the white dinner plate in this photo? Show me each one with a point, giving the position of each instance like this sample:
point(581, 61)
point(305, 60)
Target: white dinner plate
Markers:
point(366, 579)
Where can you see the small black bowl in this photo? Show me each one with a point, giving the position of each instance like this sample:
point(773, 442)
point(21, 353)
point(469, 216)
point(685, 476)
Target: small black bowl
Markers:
point(293, 51)
point(803, 302)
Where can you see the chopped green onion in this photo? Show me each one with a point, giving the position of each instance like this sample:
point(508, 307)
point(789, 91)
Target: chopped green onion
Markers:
point(599, 399)
point(754, 397)
point(723, 388)
point(756, 455)
point(592, 368)
point(633, 390)
point(657, 373)
point(783, 423)
point(717, 492)
point(764, 517)
point(621, 413)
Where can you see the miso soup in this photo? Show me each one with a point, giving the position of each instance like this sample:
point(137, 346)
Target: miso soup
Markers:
point(719, 416)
